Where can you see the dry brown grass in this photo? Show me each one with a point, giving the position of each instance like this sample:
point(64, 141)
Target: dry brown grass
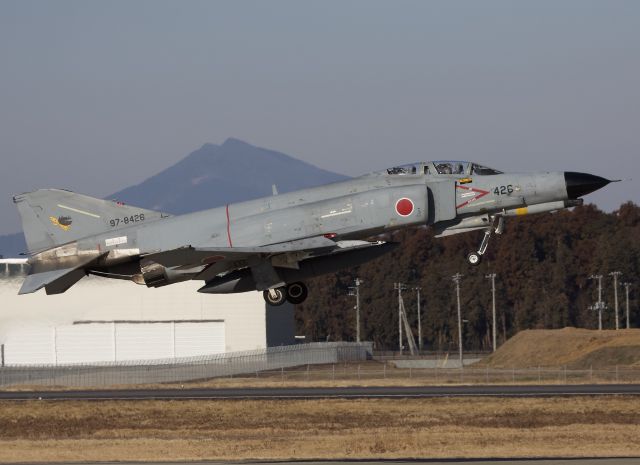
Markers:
point(571, 347)
point(198, 430)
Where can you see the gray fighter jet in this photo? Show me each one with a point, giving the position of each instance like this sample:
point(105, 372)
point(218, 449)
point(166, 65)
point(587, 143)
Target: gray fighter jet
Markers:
point(274, 244)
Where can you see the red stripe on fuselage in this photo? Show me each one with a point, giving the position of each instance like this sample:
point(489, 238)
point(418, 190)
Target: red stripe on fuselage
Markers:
point(481, 193)
point(229, 228)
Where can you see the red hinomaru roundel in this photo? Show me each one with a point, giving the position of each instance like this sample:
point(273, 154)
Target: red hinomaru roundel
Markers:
point(404, 206)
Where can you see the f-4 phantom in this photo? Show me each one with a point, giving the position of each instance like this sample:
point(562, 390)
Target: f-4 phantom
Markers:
point(273, 244)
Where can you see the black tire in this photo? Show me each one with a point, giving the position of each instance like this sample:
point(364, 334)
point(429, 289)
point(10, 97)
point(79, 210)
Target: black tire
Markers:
point(474, 259)
point(297, 293)
point(278, 299)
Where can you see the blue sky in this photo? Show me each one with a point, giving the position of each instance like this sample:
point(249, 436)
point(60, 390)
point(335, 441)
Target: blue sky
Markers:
point(96, 96)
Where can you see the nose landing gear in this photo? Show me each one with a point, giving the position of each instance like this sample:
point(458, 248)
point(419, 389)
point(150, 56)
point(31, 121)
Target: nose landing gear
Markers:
point(474, 258)
point(294, 293)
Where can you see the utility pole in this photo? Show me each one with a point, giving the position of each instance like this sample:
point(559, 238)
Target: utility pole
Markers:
point(615, 275)
point(595, 307)
point(355, 291)
point(420, 318)
point(399, 287)
point(492, 277)
point(456, 279)
point(626, 288)
point(599, 305)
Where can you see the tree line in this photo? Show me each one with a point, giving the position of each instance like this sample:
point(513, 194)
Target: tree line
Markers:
point(542, 262)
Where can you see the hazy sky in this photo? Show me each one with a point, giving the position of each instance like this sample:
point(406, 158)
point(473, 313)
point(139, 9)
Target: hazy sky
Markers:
point(96, 96)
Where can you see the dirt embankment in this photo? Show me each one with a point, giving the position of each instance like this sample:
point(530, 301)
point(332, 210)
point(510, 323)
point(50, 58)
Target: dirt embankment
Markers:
point(570, 347)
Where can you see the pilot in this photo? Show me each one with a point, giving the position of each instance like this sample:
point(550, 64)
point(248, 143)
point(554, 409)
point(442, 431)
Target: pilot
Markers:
point(459, 169)
point(444, 168)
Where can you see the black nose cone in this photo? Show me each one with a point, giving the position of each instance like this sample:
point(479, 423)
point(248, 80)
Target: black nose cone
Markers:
point(579, 184)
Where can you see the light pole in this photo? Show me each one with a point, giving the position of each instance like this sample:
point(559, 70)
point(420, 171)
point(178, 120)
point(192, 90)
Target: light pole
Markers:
point(355, 290)
point(492, 277)
point(399, 287)
point(615, 275)
point(626, 289)
point(456, 279)
point(420, 320)
point(599, 305)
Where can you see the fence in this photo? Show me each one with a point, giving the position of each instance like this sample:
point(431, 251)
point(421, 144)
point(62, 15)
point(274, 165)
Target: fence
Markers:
point(186, 369)
point(371, 371)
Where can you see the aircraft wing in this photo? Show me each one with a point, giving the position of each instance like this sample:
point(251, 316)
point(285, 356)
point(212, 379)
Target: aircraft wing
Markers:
point(261, 259)
point(190, 256)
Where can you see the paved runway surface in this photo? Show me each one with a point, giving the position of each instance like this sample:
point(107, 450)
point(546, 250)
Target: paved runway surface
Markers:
point(331, 392)
point(607, 461)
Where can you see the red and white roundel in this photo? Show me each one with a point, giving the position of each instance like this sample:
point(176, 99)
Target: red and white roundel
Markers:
point(404, 206)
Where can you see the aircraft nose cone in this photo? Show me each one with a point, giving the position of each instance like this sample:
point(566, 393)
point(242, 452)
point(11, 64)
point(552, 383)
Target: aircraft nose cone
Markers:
point(579, 184)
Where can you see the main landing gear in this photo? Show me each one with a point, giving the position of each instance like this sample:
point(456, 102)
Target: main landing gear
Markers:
point(474, 258)
point(294, 293)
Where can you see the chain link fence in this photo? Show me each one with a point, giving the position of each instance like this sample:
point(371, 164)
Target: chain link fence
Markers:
point(186, 369)
point(371, 371)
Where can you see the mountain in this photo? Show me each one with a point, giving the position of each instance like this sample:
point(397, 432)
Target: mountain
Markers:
point(215, 175)
point(209, 177)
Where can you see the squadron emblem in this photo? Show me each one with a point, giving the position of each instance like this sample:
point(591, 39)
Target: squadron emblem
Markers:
point(63, 222)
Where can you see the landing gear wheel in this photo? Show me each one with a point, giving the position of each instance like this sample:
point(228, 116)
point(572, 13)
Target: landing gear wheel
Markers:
point(297, 293)
point(275, 296)
point(474, 259)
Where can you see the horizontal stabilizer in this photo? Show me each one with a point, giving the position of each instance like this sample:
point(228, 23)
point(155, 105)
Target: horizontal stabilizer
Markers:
point(57, 281)
point(54, 282)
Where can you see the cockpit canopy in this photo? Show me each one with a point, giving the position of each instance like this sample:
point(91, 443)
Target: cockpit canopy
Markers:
point(460, 168)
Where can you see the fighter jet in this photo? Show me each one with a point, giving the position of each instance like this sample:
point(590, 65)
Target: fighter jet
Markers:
point(273, 244)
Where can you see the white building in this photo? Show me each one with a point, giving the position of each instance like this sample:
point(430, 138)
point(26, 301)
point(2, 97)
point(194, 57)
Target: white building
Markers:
point(104, 320)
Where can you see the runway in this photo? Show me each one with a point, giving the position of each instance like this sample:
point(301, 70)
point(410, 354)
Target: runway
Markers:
point(500, 461)
point(275, 393)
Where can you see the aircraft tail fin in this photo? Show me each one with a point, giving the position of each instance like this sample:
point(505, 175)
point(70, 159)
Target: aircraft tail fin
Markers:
point(52, 217)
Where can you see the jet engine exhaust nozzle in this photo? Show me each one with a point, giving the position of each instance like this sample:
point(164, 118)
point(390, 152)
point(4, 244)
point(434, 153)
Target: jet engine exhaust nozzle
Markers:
point(579, 184)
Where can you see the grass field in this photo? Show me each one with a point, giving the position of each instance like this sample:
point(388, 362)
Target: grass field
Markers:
point(428, 428)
